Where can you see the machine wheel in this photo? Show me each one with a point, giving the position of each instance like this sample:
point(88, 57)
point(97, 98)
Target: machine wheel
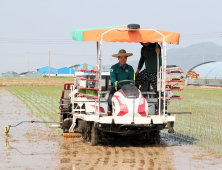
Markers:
point(94, 135)
point(86, 133)
point(153, 137)
point(156, 137)
point(67, 124)
point(171, 130)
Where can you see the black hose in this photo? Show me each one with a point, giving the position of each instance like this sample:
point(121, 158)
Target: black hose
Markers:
point(32, 121)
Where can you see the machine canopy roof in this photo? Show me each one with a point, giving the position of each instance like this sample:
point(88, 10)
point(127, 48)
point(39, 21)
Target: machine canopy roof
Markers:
point(94, 34)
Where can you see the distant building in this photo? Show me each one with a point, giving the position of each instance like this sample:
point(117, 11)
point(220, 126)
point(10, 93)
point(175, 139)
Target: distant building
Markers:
point(66, 71)
point(31, 74)
point(210, 74)
point(23, 73)
point(45, 70)
point(85, 66)
point(71, 70)
point(10, 74)
point(79, 66)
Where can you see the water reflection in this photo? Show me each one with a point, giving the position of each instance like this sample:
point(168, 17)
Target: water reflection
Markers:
point(8, 146)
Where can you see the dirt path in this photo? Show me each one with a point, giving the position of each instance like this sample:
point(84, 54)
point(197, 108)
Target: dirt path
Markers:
point(34, 146)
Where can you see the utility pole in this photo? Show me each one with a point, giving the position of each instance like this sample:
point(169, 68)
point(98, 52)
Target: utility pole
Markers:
point(28, 61)
point(49, 64)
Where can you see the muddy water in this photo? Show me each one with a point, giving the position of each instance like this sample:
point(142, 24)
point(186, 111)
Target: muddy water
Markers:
point(29, 145)
point(34, 146)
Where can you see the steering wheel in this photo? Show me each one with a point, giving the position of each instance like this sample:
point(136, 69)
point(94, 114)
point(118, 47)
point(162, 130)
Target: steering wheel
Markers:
point(125, 81)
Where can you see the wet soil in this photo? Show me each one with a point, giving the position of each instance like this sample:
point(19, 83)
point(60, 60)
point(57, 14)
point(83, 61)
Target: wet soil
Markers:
point(29, 145)
point(35, 146)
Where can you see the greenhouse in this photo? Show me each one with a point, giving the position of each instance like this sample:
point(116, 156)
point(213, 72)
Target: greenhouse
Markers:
point(10, 74)
point(33, 74)
point(210, 74)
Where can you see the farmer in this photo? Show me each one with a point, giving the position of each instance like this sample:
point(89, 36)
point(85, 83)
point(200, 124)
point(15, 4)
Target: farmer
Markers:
point(149, 53)
point(118, 72)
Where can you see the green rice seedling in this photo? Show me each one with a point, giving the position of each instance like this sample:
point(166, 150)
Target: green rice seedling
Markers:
point(37, 98)
point(82, 91)
point(92, 92)
point(205, 122)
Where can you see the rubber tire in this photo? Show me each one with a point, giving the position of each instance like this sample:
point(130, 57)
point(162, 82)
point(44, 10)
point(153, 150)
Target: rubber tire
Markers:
point(153, 137)
point(171, 130)
point(156, 137)
point(86, 134)
point(94, 135)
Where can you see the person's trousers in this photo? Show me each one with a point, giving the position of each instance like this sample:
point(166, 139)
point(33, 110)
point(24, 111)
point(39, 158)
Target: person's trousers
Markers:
point(111, 93)
point(143, 77)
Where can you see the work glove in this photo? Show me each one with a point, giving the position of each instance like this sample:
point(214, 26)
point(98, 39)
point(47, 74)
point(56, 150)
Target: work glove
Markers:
point(116, 84)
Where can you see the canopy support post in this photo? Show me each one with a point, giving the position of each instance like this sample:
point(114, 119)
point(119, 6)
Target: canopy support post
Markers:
point(99, 74)
point(164, 78)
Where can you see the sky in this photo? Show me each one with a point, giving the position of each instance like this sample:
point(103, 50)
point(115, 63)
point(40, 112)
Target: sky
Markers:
point(30, 29)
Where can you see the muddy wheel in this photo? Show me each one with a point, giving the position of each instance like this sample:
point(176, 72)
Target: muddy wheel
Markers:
point(171, 130)
point(86, 133)
point(153, 137)
point(94, 135)
point(156, 137)
point(143, 136)
point(67, 124)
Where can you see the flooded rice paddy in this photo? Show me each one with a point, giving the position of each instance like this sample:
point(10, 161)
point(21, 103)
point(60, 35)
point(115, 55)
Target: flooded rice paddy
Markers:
point(36, 146)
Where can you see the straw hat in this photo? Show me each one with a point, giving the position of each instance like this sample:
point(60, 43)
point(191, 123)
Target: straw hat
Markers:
point(122, 52)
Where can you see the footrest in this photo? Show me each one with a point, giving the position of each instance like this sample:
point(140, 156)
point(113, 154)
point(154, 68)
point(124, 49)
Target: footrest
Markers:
point(174, 80)
point(173, 97)
point(174, 88)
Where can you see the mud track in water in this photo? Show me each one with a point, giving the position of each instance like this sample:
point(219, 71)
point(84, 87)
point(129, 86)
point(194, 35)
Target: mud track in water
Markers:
point(35, 146)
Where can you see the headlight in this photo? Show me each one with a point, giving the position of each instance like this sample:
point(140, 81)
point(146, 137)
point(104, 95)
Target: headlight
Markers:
point(121, 101)
point(141, 101)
